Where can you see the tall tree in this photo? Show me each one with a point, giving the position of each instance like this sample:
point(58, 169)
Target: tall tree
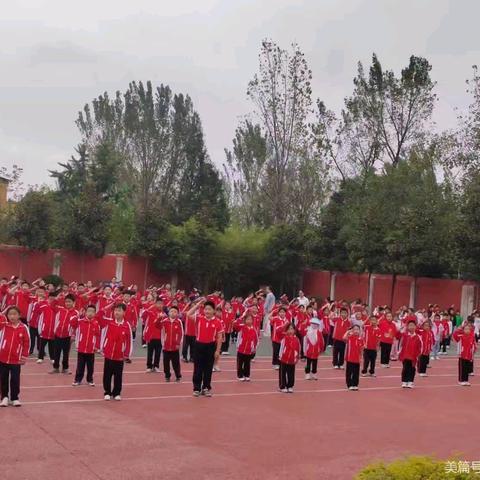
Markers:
point(159, 136)
point(33, 222)
point(281, 93)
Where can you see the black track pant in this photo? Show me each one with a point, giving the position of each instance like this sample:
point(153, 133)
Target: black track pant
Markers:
point(10, 380)
point(311, 365)
point(42, 343)
point(62, 348)
point(188, 346)
point(352, 374)
point(33, 338)
point(385, 350)
point(226, 343)
point(85, 360)
point(408, 371)
point(275, 353)
point(154, 350)
point(243, 365)
point(338, 353)
point(422, 363)
point(204, 357)
point(369, 359)
point(112, 369)
point(172, 358)
point(286, 375)
point(465, 368)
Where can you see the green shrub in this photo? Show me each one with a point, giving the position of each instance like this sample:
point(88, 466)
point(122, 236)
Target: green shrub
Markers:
point(53, 279)
point(416, 468)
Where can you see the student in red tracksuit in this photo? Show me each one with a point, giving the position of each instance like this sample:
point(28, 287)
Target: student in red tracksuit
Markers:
point(209, 337)
point(388, 331)
point(131, 314)
point(14, 350)
point(152, 335)
point(371, 338)
point(341, 325)
point(313, 345)
point(228, 317)
point(171, 330)
point(247, 342)
point(428, 340)
point(465, 338)
point(277, 322)
point(353, 355)
point(289, 355)
point(116, 346)
point(410, 349)
point(64, 319)
point(87, 340)
point(33, 316)
point(46, 328)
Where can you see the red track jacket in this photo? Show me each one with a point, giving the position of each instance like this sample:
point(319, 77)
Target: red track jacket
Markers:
point(14, 342)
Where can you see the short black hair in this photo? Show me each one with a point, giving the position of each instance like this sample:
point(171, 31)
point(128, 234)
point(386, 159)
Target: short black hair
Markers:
point(70, 296)
point(343, 309)
point(91, 306)
point(122, 306)
point(174, 307)
point(209, 303)
point(10, 308)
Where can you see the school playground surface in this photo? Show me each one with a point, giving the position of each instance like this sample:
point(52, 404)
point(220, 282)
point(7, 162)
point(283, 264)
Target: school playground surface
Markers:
point(246, 430)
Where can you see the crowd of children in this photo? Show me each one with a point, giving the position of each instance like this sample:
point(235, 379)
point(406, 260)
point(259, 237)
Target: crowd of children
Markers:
point(192, 328)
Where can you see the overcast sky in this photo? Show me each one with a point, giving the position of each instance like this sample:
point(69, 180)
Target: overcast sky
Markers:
point(56, 55)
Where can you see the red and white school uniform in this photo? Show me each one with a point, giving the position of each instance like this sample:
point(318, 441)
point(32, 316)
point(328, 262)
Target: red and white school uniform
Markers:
point(116, 339)
point(353, 349)
point(247, 338)
point(340, 328)
point(14, 342)
point(313, 344)
point(14, 348)
point(466, 346)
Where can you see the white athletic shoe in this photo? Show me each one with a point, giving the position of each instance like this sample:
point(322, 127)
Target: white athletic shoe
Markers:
point(92, 384)
point(149, 370)
point(290, 390)
point(247, 379)
point(336, 367)
point(75, 384)
point(383, 365)
point(225, 353)
point(350, 388)
point(472, 374)
point(107, 397)
point(144, 345)
point(156, 370)
point(16, 403)
point(314, 376)
point(117, 398)
point(4, 402)
point(409, 384)
point(39, 360)
point(241, 379)
point(355, 388)
point(216, 369)
point(284, 390)
point(422, 375)
point(404, 384)
point(277, 367)
point(308, 376)
point(341, 367)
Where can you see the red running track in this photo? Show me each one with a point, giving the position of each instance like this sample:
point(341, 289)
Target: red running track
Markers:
point(247, 430)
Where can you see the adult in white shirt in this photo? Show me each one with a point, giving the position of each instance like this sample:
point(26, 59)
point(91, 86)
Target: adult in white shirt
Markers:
point(302, 299)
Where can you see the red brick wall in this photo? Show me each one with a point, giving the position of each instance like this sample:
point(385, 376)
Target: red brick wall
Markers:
point(350, 286)
point(75, 266)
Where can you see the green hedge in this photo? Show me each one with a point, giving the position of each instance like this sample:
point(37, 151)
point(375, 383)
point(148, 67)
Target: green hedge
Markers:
point(420, 468)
